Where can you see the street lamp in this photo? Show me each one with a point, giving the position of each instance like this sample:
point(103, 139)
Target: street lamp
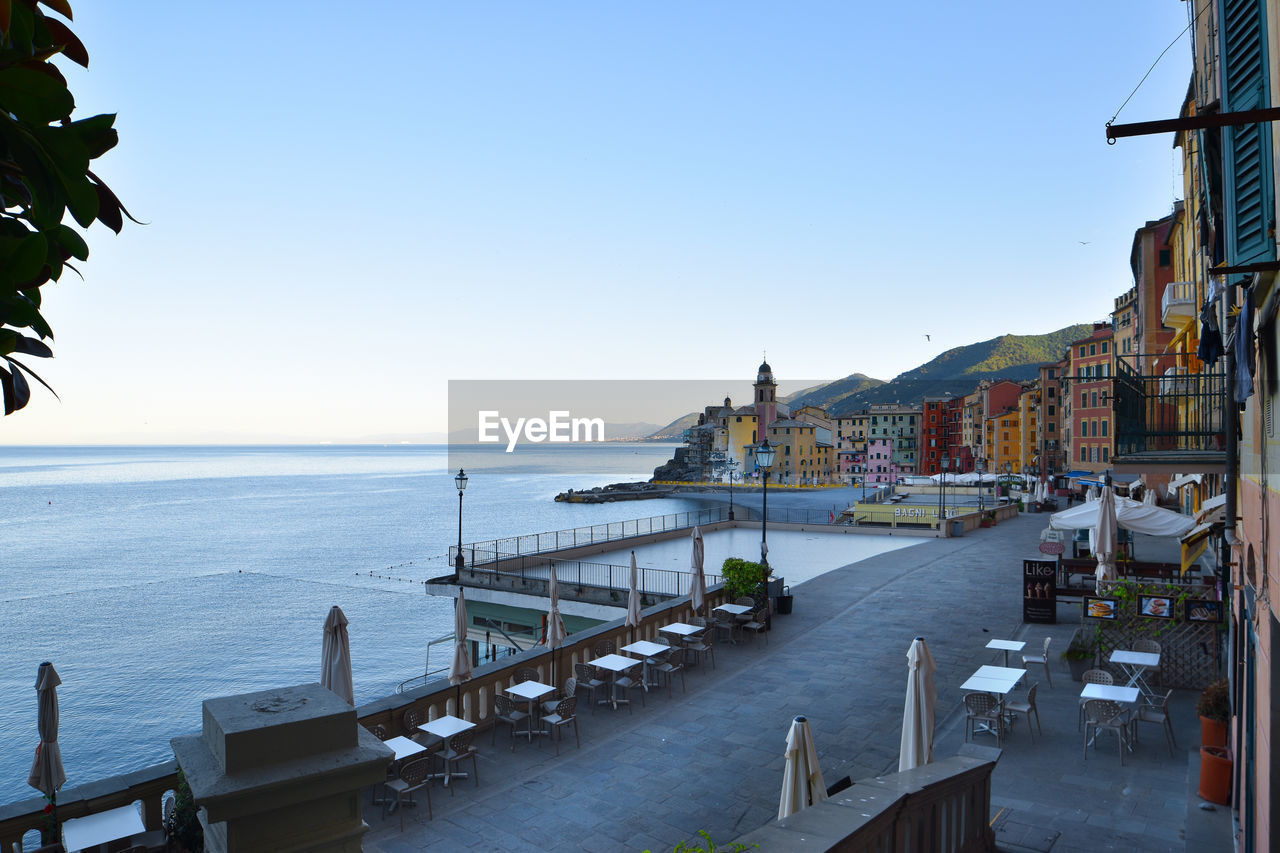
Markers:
point(461, 482)
point(765, 454)
point(980, 465)
point(942, 492)
point(732, 464)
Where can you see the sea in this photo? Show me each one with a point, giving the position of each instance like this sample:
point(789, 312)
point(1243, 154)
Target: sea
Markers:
point(157, 577)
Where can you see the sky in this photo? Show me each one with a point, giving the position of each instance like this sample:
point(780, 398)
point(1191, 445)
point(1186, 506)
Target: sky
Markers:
point(349, 205)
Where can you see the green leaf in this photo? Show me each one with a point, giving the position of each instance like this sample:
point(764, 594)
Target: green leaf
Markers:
point(27, 261)
point(82, 198)
point(34, 96)
point(73, 242)
point(96, 133)
point(62, 7)
point(72, 47)
point(31, 346)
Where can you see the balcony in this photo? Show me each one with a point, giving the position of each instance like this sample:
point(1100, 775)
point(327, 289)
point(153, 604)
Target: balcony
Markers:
point(1170, 421)
point(1178, 305)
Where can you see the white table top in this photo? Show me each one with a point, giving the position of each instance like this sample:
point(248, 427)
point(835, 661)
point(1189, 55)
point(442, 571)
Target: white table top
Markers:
point(735, 609)
point(1007, 645)
point(101, 827)
point(615, 663)
point(979, 684)
point(447, 726)
point(1135, 658)
point(1000, 672)
point(404, 747)
point(1114, 692)
point(646, 648)
point(531, 690)
point(680, 628)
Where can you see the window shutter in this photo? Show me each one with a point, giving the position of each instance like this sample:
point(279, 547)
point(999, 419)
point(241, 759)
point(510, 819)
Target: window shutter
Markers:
point(1246, 148)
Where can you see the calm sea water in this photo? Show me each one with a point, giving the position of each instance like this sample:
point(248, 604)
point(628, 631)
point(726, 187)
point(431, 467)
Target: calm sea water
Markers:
point(157, 577)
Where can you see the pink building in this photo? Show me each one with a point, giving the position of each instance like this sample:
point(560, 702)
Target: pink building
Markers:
point(880, 467)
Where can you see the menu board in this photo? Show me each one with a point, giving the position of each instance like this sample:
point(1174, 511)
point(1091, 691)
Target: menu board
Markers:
point(1040, 591)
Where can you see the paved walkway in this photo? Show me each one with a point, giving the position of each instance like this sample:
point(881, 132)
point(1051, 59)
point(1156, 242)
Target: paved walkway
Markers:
point(711, 758)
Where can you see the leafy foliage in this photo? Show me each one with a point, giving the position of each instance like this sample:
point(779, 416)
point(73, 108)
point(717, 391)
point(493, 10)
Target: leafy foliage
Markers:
point(741, 577)
point(184, 821)
point(44, 177)
point(1215, 702)
point(706, 845)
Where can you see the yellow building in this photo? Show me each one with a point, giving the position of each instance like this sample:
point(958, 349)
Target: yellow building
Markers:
point(740, 432)
point(803, 457)
point(1002, 436)
point(1028, 407)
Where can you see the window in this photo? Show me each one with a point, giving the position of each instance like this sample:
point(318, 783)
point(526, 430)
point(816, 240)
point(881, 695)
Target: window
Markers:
point(1084, 428)
point(1104, 432)
point(1084, 399)
point(1084, 454)
point(1095, 428)
point(1164, 259)
point(1104, 398)
point(1053, 428)
point(1093, 399)
point(1082, 351)
point(1106, 369)
point(1104, 347)
point(1104, 452)
point(1093, 349)
point(1052, 391)
point(1051, 410)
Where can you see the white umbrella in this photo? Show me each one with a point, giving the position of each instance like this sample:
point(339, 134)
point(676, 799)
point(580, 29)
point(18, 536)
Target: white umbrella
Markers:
point(460, 669)
point(335, 660)
point(1149, 497)
point(1092, 494)
point(918, 712)
point(633, 598)
point(555, 625)
point(802, 784)
point(47, 775)
point(698, 584)
point(1105, 535)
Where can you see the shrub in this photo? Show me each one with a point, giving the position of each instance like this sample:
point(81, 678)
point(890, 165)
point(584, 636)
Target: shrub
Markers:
point(741, 577)
point(1215, 702)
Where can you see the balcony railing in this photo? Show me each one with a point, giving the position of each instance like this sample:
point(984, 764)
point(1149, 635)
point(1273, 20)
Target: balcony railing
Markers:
point(1171, 412)
point(1178, 303)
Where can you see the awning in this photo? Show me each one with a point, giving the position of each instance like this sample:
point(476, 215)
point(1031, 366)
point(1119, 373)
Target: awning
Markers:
point(1214, 510)
point(1077, 474)
point(1183, 480)
point(1116, 479)
point(1130, 514)
point(1194, 544)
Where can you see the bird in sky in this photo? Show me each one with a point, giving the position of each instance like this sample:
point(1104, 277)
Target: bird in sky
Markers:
point(927, 338)
point(1084, 242)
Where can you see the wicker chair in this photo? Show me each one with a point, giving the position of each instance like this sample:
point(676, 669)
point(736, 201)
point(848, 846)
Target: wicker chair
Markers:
point(413, 718)
point(1028, 708)
point(414, 776)
point(983, 708)
point(587, 681)
point(523, 674)
point(564, 714)
point(505, 711)
point(1102, 714)
point(1157, 712)
point(602, 648)
point(1042, 658)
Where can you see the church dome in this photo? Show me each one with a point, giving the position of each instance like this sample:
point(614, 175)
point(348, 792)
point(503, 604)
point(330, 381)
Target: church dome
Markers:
point(764, 368)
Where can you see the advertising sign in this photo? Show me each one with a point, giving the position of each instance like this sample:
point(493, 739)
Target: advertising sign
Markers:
point(1039, 591)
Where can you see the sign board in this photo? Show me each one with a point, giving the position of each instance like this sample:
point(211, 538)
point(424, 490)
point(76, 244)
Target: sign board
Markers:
point(1040, 591)
point(1052, 547)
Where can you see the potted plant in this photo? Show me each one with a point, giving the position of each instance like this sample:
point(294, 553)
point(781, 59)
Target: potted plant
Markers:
point(741, 577)
point(1214, 708)
point(1079, 654)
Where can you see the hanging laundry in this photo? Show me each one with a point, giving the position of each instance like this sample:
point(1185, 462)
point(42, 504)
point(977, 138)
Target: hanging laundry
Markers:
point(1210, 349)
point(1243, 344)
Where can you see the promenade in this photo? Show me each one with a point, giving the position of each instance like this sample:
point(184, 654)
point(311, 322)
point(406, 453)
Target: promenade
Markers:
point(711, 758)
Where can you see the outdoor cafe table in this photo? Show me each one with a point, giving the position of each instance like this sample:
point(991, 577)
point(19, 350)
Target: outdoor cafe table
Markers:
point(681, 629)
point(615, 665)
point(993, 679)
point(1113, 692)
point(81, 833)
point(444, 728)
point(1007, 646)
point(734, 610)
point(1135, 665)
point(404, 747)
point(531, 692)
point(646, 649)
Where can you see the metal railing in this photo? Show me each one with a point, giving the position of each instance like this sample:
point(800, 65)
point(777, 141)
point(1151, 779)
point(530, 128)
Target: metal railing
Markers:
point(574, 575)
point(480, 553)
point(1173, 410)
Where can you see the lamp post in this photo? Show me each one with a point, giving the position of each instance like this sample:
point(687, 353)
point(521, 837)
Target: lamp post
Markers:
point(980, 465)
point(942, 493)
point(732, 464)
point(765, 454)
point(461, 482)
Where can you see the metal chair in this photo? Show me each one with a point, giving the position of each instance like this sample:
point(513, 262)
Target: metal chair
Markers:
point(757, 623)
point(633, 681)
point(1104, 714)
point(1157, 712)
point(564, 714)
point(983, 708)
point(1092, 676)
point(570, 689)
point(670, 664)
point(461, 748)
point(1042, 658)
point(414, 777)
point(704, 644)
point(1028, 708)
point(602, 648)
point(523, 674)
point(588, 681)
point(505, 711)
point(410, 721)
point(1151, 647)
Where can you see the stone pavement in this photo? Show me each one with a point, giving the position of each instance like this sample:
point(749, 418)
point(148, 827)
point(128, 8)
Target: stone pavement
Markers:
point(711, 758)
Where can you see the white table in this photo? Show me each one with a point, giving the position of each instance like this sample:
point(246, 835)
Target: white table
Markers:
point(614, 664)
point(444, 728)
point(1115, 693)
point(681, 629)
point(530, 692)
point(734, 609)
point(647, 649)
point(1135, 665)
point(80, 833)
point(404, 747)
point(994, 679)
point(1007, 646)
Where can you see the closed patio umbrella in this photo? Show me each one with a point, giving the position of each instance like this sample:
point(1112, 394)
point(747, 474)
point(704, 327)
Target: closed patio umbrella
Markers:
point(555, 625)
point(460, 669)
point(47, 775)
point(335, 660)
point(698, 584)
point(802, 784)
point(918, 713)
point(633, 599)
point(1149, 497)
point(1105, 537)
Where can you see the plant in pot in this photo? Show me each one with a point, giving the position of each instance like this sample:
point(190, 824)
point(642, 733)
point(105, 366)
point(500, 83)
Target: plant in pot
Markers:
point(741, 577)
point(1214, 708)
point(1080, 654)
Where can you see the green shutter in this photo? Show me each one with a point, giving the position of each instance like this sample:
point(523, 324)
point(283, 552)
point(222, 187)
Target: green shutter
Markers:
point(1246, 148)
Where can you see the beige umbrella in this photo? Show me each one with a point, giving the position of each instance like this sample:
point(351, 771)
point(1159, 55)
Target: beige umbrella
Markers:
point(47, 775)
point(1105, 537)
point(1149, 497)
point(460, 669)
point(335, 660)
point(802, 784)
point(918, 713)
point(698, 584)
point(1092, 494)
point(555, 625)
point(633, 599)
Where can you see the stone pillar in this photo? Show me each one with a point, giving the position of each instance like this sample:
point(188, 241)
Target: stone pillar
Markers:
point(281, 770)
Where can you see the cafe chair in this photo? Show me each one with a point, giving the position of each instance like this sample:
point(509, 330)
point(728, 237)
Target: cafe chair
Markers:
point(587, 681)
point(1151, 647)
point(633, 679)
point(1042, 658)
point(1156, 710)
point(564, 714)
point(570, 689)
point(505, 711)
point(523, 674)
point(670, 664)
point(410, 721)
point(1028, 708)
point(414, 777)
point(703, 645)
point(756, 624)
point(1092, 676)
point(982, 708)
point(459, 750)
point(602, 648)
point(1102, 714)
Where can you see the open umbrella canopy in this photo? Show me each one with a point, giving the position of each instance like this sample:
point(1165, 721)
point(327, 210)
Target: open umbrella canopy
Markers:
point(802, 784)
point(920, 708)
point(460, 669)
point(633, 597)
point(1130, 514)
point(335, 659)
point(698, 584)
point(47, 775)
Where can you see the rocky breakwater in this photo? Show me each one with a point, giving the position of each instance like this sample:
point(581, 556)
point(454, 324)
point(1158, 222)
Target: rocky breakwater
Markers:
point(616, 492)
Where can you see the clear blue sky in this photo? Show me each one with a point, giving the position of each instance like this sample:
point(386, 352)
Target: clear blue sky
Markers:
point(350, 204)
